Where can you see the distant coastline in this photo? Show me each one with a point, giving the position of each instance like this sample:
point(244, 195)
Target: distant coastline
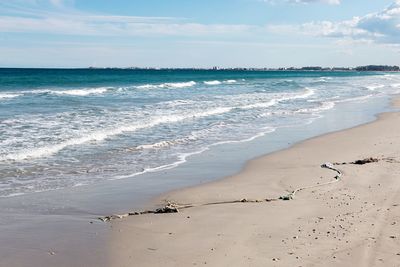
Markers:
point(383, 68)
point(307, 68)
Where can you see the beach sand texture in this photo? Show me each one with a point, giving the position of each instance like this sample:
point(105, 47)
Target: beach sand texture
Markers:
point(353, 222)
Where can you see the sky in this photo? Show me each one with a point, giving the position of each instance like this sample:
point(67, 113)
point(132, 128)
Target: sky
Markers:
point(199, 33)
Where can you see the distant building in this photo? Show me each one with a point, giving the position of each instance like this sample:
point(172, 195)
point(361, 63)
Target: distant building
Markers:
point(377, 68)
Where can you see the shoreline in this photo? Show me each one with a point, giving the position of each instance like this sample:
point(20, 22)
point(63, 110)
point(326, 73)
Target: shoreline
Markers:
point(159, 200)
point(178, 232)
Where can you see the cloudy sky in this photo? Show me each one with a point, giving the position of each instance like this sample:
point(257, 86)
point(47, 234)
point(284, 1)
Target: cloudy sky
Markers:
point(198, 33)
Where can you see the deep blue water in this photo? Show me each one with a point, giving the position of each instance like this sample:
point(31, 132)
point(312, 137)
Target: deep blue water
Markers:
point(64, 128)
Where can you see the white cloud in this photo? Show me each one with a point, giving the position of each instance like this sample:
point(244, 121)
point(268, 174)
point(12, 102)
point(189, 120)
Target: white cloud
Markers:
point(115, 26)
point(379, 27)
point(59, 19)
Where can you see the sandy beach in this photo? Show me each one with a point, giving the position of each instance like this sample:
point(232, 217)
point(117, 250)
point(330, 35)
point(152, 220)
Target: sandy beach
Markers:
point(199, 133)
point(353, 221)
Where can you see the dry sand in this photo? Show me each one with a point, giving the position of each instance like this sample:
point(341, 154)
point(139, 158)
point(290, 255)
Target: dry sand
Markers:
point(354, 222)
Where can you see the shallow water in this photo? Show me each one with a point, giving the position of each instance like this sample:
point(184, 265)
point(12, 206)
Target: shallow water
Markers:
point(68, 128)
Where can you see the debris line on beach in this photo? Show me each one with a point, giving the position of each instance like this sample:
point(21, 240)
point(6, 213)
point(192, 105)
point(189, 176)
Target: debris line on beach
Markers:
point(171, 207)
point(362, 161)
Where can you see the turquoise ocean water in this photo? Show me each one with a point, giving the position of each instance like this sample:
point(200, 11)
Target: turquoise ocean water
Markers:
point(68, 128)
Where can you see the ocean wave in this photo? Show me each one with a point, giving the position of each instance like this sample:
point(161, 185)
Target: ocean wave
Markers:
point(308, 92)
point(327, 105)
point(230, 81)
point(261, 105)
point(178, 102)
point(16, 194)
point(216, 82)
point(262, 100)
point(194, 135)
point(374, 87)
point(323, 107)
point(167, 85)
point(99, 136)
point(8, 95)
point(286, 82)
point(163, 144)
point(212, 82)
point(81, 92)
point(323, 79)
point(148, 86)
point(390, 77)
point(180, 85)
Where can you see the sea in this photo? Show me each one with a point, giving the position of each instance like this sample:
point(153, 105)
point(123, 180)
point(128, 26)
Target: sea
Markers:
point(68, 128)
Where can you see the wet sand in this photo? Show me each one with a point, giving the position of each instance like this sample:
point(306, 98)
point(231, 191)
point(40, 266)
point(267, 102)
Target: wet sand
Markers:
point(353, 222)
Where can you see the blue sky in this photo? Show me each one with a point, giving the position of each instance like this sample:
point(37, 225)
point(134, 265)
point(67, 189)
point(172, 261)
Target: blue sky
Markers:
point(198, 33)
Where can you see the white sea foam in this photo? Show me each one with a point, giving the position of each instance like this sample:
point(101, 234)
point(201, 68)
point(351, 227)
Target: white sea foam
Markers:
point(324, 106)
point(230, 81)
point(8, 95)
point(194, 135)
point(308, 92)
point(80, 184)
point(13, 195)
point(147, 86)
point(167, 143)
point(262, 100)
point(161, 144)
point(324, 79)
point(98, 136)
point(303, 95)
point(178, 102)
point(261, 105)
point(396, 85)
point(212, 82)
point(36, 92)
point(70, 92)
point(167, 85)
point(81, 92)
point(216, 82)
point(374, 87)
point(327, 105)
point(180, 85)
